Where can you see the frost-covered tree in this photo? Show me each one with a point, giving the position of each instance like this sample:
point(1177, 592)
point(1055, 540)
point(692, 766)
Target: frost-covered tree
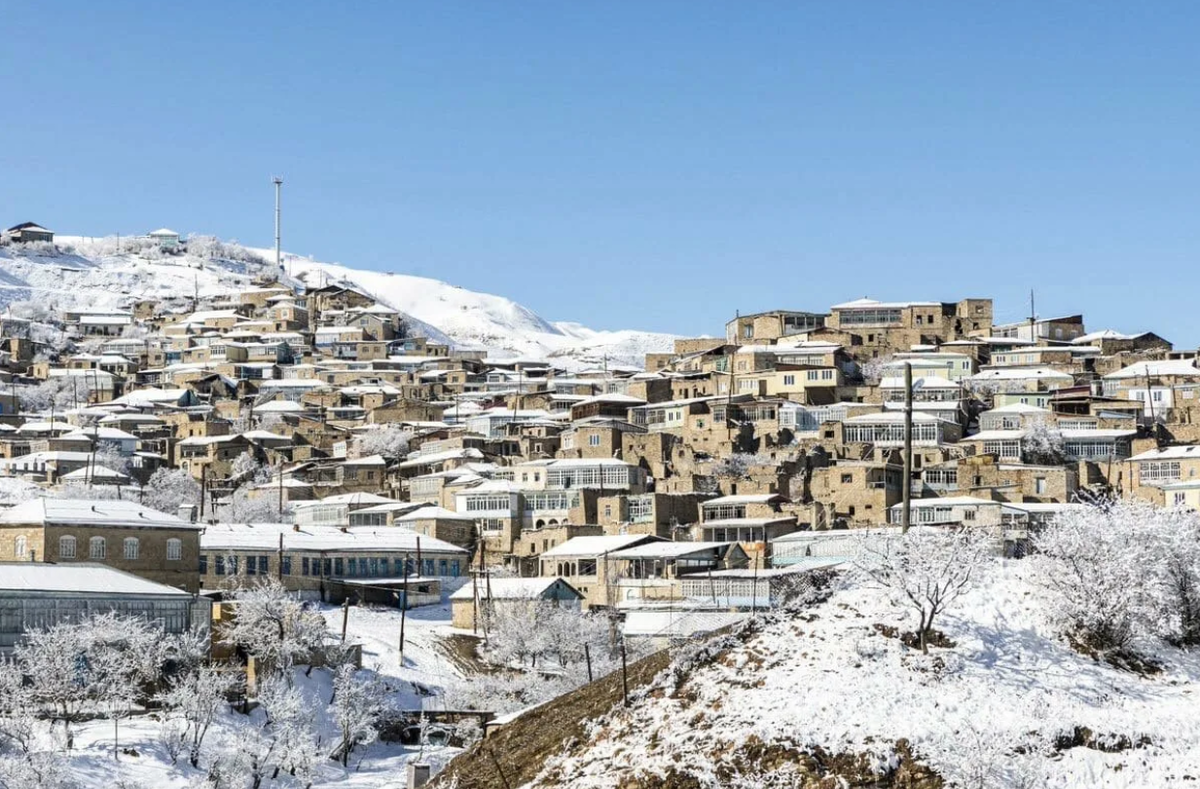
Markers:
point(1095, 564)
point(109, 455)
point(1178, 563)
point(100, 661)
point(355, 708)
point(245, 467)
point(195, 698)
point(168, 488)
point(874, 369)
point(274, 626)
point(537, 633)
point(243, 507)
point(925, 570)
point(59, 394)
point(1043, 444)
point(733, 466)
point(387, 440)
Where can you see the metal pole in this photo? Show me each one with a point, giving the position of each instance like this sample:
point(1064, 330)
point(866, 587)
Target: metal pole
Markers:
point(587, 655)
point(906, 493)
point(345, 614)
point(403, 610)
point(278, 188)
point(624, 675)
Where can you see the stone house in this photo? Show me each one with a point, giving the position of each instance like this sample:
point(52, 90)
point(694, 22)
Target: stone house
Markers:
point(765, 328)
point(496, 595)
point(121, 534)
point(312, 559)
point(584, 563)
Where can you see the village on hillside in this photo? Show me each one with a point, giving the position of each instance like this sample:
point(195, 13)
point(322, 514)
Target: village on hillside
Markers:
point(183, 459)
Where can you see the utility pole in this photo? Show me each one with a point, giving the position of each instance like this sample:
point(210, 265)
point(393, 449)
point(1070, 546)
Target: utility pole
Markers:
point(278, 189)
point(906, 492)
point(1032, 319)
point(403, 610)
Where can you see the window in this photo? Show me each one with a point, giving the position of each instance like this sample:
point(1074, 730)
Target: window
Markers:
point(21, 547)
point(174, 549)
point(1039, 485)
point(97, 548)
point(789, 380)
point(262, 565)
point(968, 515)
point(203, 564)
point(1159, 470)
point(66, 547)
point(285, 565)
point(593, 441)
point(1180, 498)
point(220, 565)
point(131, 548)
point(847, 479)
point(339, 567)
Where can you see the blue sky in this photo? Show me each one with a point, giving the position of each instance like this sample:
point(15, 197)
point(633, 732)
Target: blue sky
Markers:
point(652, 165)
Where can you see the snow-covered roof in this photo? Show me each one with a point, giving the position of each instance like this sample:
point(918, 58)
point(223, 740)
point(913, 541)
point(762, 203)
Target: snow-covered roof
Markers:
point(78, 578)
point(101, 434)
point(1163, 367)
point(865, 303)
point(508, 588)
point(346, 498)
point(162, 231)
point(94, 473)
point(91, 514)
point(265, 536)
point(1017, 408)
point(746, 498)
point(433, 513)
point(1020, 374)
point(1169, 453)
point(596, 545)
point(279, 407)
point(950, 501)
point(667, 549)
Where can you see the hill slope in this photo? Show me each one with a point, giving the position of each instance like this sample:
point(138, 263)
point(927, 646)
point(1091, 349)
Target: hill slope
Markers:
point(830, 697)
point(107, 273)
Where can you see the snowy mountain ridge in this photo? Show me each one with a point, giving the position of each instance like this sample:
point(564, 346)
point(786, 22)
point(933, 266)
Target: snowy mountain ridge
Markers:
point(108, 272)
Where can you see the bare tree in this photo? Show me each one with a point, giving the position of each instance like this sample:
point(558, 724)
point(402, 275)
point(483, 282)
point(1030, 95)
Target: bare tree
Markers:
point(926, 570)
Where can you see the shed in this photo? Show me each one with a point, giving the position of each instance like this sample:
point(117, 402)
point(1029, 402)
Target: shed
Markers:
point(494, 593)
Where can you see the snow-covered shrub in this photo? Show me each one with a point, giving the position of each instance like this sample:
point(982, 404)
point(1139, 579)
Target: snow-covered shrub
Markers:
point(1043, 444)
point(389, 441)
point(168, 488)
point(355, 708)
point(274, 626)
point(926, 570)
point(193, 700)
point(1095, 564)
point(1178, 562)
point(873, 369)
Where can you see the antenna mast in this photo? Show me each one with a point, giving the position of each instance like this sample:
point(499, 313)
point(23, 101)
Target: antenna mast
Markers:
point(278, 188)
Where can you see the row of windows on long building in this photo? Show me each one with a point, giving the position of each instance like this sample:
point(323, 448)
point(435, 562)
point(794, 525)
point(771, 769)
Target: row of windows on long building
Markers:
point(97, 548)
point(330, 567)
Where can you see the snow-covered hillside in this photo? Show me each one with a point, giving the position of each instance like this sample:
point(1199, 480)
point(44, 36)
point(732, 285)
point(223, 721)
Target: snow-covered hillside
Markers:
point(1009, 705)
point(105, 273)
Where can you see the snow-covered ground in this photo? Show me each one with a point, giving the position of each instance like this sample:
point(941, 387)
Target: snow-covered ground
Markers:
point(91, 762)
point(93, 273)
point(988, 712)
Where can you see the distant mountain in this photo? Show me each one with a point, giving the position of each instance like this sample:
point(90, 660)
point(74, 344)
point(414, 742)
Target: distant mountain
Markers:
point(98, 272)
